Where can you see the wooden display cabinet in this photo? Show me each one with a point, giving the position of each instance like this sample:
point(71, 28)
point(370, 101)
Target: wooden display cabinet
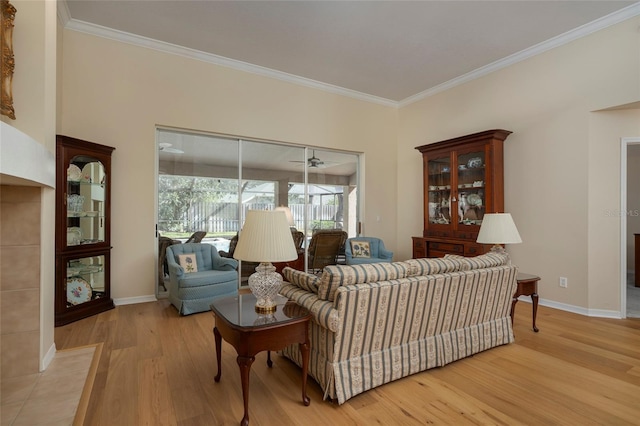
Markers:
point(83, 229)
point(463, 180)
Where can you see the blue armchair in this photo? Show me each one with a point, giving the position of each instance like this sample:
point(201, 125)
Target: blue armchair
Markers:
point(216, 276)
point(357, 252)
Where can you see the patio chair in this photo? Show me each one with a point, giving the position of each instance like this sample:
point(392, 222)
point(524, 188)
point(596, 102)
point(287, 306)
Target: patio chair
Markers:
point(163, 268)
point(324, 248)
point(196, 237)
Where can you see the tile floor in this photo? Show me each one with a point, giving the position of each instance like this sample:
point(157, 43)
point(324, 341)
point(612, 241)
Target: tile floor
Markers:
point(51, 397)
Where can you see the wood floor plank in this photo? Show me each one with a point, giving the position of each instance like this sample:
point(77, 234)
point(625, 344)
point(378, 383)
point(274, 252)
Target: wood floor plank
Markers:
point(121, 397)
point(157, 368)
point(152, 400)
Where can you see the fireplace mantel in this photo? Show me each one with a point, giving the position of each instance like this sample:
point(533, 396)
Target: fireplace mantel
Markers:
point(23, 160)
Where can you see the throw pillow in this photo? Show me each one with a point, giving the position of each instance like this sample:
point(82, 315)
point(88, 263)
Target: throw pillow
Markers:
point(301, 279)
point(334, 276)
point(487, 260)
point(430, 266)
point(465, 266)
point(188, 262)
point(360, 249)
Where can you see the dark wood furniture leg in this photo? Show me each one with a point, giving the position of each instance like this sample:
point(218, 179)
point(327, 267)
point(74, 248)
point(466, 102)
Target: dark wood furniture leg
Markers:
point(527, 286)
point(534, 299)
point(218, 339)
point(304, 350)
point(244, 362)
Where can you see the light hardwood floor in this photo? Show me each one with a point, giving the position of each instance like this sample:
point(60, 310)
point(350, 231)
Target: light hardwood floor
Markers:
point(157, 368)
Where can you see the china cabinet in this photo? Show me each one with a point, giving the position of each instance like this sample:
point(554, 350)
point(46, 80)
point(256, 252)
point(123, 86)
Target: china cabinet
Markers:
point(83, 224)
point(462, 180)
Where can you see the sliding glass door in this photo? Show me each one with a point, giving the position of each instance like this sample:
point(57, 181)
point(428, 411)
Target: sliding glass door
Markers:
point(207, 183)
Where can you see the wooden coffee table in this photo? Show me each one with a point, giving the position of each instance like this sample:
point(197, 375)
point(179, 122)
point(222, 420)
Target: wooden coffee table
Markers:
point(250, 333)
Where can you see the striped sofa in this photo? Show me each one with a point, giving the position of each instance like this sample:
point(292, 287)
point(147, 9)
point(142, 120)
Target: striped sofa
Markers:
point(376, 323)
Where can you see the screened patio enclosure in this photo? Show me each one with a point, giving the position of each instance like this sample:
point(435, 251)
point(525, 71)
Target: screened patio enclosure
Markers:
point(208, 183)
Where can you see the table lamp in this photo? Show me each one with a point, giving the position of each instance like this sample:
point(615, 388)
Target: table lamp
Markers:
point(496, 229)
point(288, 214)
point(265, 238)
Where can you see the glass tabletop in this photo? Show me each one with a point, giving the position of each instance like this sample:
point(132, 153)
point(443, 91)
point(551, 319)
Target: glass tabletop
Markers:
point(240, 311)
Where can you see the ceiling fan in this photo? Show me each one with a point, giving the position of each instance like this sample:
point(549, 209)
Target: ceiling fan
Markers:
point(312, 161)
point(166, 147)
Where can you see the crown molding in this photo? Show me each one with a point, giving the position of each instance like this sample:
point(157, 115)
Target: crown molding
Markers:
point(76, 25)
point(582, 31)
point(64, 15)
point(174, 49)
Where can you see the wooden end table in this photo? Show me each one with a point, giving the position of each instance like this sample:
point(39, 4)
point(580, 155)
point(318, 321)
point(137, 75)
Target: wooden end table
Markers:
point(237, 322)
point(527, 286)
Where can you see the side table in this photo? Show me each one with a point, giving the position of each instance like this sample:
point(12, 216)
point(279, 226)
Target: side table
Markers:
point(237, 322)
point(527, 286)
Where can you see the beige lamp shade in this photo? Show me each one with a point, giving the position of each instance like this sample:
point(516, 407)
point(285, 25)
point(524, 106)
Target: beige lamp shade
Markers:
point(265, 237)
point(498, 228)
point(287, 213)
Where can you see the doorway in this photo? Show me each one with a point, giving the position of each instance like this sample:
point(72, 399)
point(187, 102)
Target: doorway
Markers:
point(629, 225)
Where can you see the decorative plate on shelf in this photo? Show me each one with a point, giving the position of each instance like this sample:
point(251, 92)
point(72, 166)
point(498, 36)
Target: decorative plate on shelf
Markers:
point(74, 173)
point(74, 236)
point(86, 173)
point(474, 200)
point(474, 162)
point(78, 291)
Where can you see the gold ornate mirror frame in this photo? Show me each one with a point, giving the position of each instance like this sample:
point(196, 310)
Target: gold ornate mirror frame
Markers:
point(7, 62)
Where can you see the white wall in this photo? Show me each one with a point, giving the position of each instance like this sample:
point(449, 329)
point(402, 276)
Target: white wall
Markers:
point(34, 100)
point(561, 162)
point(606, 130)
point(115, 94)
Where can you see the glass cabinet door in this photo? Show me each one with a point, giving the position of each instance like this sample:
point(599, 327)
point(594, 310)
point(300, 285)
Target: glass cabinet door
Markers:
point(439, 184)
point(471, 188)
point(85, 279)
point(86, 195)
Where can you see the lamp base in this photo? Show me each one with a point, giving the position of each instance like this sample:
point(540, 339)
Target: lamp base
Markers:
point(265, 310)
point(265, 284)
point(498, 249)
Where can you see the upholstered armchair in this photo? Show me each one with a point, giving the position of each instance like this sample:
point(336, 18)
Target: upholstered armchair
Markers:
point(366, 250)
point(204, 276)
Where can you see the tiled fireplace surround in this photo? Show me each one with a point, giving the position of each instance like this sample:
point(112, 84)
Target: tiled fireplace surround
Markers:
point(27, 181)
point(20, 210)
point(27, 394)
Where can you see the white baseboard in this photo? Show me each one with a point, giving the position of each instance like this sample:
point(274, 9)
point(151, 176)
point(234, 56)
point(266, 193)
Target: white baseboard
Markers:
point(543, 302)
point(134, 300)
point(48, 357)
point(602, 313)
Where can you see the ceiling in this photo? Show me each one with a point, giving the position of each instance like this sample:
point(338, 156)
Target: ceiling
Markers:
point(385, 51)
